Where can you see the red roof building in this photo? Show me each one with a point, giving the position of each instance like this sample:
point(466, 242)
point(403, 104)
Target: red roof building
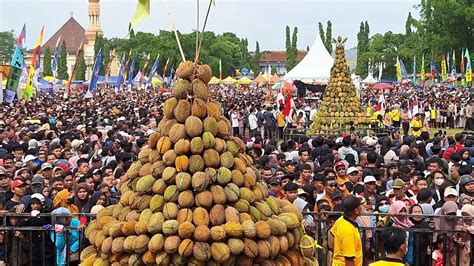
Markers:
point(277, 60)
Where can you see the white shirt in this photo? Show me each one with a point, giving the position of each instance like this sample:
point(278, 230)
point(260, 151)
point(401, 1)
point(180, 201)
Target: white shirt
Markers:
point(235, 120)
point(253, 121)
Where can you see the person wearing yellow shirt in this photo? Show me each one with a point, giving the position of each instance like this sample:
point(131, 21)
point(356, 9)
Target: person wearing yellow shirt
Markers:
point(416, 125)
point(347, 244)
point(433, 116)
point(394, 243)
point(395, 116)
point(281, 122)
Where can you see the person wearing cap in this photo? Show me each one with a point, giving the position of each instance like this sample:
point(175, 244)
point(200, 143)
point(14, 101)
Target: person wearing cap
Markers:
point(340, 169)
point(47, 170)
point(275, 188)
point(18, 189)
point(345, 232)
point(370, 192)
point(466, 185)
point(395, 246)
point(96, 162)
point(398, 191)
point(5, 189)
point(353, 175)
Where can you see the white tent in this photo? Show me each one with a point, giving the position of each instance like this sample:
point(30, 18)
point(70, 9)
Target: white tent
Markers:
point(369, 79)
point(315, 66)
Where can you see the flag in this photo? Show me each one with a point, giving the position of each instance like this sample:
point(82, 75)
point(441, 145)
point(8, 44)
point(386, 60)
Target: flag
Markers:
point(138, 78)
point(414, 107)
point(21, 37)
point(399, 70)
point(118, 83)
point(448, 58)
point(37, 70)
point(462, 61)
point(403, 69)
point(381, 104)
point(107, 70)
point(422, 71)
point(131, 70)
point(220, 68)
point(468, 67)
point(142, 11)
point(434, 71)
point(444, 72)
point(16, 69)
point(453, 65)
point(153, 71)
point(95, 72)
point(414, 69)
point(165, 67)
point(170, 78)
point(213, 2)
point(74, 68)
point(29, 90)
point(280, 98)
point(54, 64)
point(145, 65)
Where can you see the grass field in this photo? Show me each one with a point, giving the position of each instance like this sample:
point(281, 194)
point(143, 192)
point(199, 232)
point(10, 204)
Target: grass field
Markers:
point(450, 131)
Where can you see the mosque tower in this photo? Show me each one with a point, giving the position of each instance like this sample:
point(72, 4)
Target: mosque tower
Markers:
point(93, 29)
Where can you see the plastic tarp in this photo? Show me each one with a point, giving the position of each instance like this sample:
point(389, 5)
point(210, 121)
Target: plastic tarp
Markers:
point(315, 66)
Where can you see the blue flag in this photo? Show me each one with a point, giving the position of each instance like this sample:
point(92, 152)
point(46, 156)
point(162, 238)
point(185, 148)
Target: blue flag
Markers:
point(152, 72)
point(404, 70)
point(54, 64)
point(95, 71)
point(130, 72)
point(120, 74)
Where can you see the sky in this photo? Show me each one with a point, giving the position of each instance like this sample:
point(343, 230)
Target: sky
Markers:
point(258, 20)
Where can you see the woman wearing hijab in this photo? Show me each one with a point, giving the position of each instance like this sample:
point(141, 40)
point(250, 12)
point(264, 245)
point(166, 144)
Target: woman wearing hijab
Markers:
point(448, 209)
point(418, 242)
point(467, 212)
point(81, 195)
point(65, 199)
point(399, 209)
point(97, 198)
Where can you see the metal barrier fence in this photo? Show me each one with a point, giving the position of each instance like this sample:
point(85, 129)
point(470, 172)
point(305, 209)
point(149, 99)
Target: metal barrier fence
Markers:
point(457, 245)
point(41, 243)
point(294, 133)
point(38, 245)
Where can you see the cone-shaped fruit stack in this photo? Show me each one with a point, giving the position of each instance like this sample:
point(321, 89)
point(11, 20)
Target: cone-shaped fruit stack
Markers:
point(340, 105)
point(194, 197)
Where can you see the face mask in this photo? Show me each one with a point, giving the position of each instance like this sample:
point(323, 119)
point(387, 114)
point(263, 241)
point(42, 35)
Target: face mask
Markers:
point(384, 208)
point(439, 182)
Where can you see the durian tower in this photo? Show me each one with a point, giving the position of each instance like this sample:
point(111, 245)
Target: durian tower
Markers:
point(194, 196)
point(340, 105)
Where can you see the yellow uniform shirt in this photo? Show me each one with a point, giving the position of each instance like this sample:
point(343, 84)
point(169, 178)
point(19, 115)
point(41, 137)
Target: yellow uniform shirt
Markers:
point(347, 243)
point(433, 114)
point(416, 124)
point(280, 119)
point(395, 115)
point(388, 262)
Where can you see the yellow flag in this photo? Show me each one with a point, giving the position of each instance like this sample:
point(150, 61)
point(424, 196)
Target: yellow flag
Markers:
point(213, 2)
point(142, 11)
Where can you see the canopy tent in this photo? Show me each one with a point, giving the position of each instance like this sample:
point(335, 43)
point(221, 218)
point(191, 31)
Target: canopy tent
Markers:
point(245, 81)
point(315, 66)
point(369, 79)
point(264, 79)
point(214, 81)
point(229, 80)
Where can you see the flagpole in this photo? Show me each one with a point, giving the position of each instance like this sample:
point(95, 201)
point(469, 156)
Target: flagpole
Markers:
point(175, 32)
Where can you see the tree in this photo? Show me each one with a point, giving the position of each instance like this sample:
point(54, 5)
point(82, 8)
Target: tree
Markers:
point(288, 39)
point(362, 48)
point(62, 62)
point(292, 53)
point(47, 70)
point(408, 24)
point(7, 45)
point(321, 32)
point(256, 59)
point(81, 68)
point(307, 48)
point(328, 42)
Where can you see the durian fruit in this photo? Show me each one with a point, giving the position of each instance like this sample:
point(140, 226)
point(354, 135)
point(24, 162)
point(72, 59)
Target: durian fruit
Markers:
point(193, 196)
point(340, 108)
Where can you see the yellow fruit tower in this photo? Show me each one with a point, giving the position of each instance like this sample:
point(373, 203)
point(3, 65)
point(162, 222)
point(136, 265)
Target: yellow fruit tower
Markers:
point(340, 108)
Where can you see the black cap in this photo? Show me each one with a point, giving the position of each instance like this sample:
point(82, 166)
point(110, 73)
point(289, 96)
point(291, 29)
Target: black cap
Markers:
point(96, 158)
point(275, 180)
point(424, 194)
point(290, 162)
point(380, 198)
point(350, 203)
point(335, 195)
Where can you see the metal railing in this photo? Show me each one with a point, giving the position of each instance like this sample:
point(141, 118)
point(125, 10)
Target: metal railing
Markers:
point(37, 244)
point(419, 239)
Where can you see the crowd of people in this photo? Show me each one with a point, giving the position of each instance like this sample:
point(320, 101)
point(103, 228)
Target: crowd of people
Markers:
point(67, 156)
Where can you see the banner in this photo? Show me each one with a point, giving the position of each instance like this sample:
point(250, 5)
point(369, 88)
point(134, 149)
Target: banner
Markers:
point(21, 37)
point(453, 65)
point(399, 71)
point(118, 83)
point(107, 69)
point(74, 68)
point(16, 69)
point(95, 74)
point(403, 69)
point(468, 67)
point(220, 68)
point(54, 64)
point(29, 90)
point(434, 71)
point(130, 72)
point(414, 69)
point(422, 71)
point(1, 87)
point(444, 72)
point(141, 12)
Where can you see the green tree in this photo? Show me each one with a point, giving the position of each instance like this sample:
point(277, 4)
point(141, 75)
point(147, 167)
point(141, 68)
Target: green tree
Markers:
point(7, 45)
point(362, 48)
point(292, 53)
point(81, 68)
point(408, 24)
point(62, 62)
point(256, 59)
point(288, 39)
point(328, 42)
point(321, 32)
point(47, 70)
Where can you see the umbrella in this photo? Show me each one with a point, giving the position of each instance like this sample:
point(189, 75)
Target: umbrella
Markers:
point(245, 81)
point(164, 90)
point(382, 86)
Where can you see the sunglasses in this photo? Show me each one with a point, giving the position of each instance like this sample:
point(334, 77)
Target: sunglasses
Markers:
point(383, 203)
point(332, 185)
point(341, 169)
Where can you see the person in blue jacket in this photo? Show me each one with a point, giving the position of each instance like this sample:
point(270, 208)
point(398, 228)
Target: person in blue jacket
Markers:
point(58, 236)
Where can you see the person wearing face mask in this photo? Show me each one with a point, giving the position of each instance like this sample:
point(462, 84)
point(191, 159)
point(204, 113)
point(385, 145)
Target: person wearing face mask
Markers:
point(37, 187)
point(394, 243)
point(438, 180)
point(418, 242)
